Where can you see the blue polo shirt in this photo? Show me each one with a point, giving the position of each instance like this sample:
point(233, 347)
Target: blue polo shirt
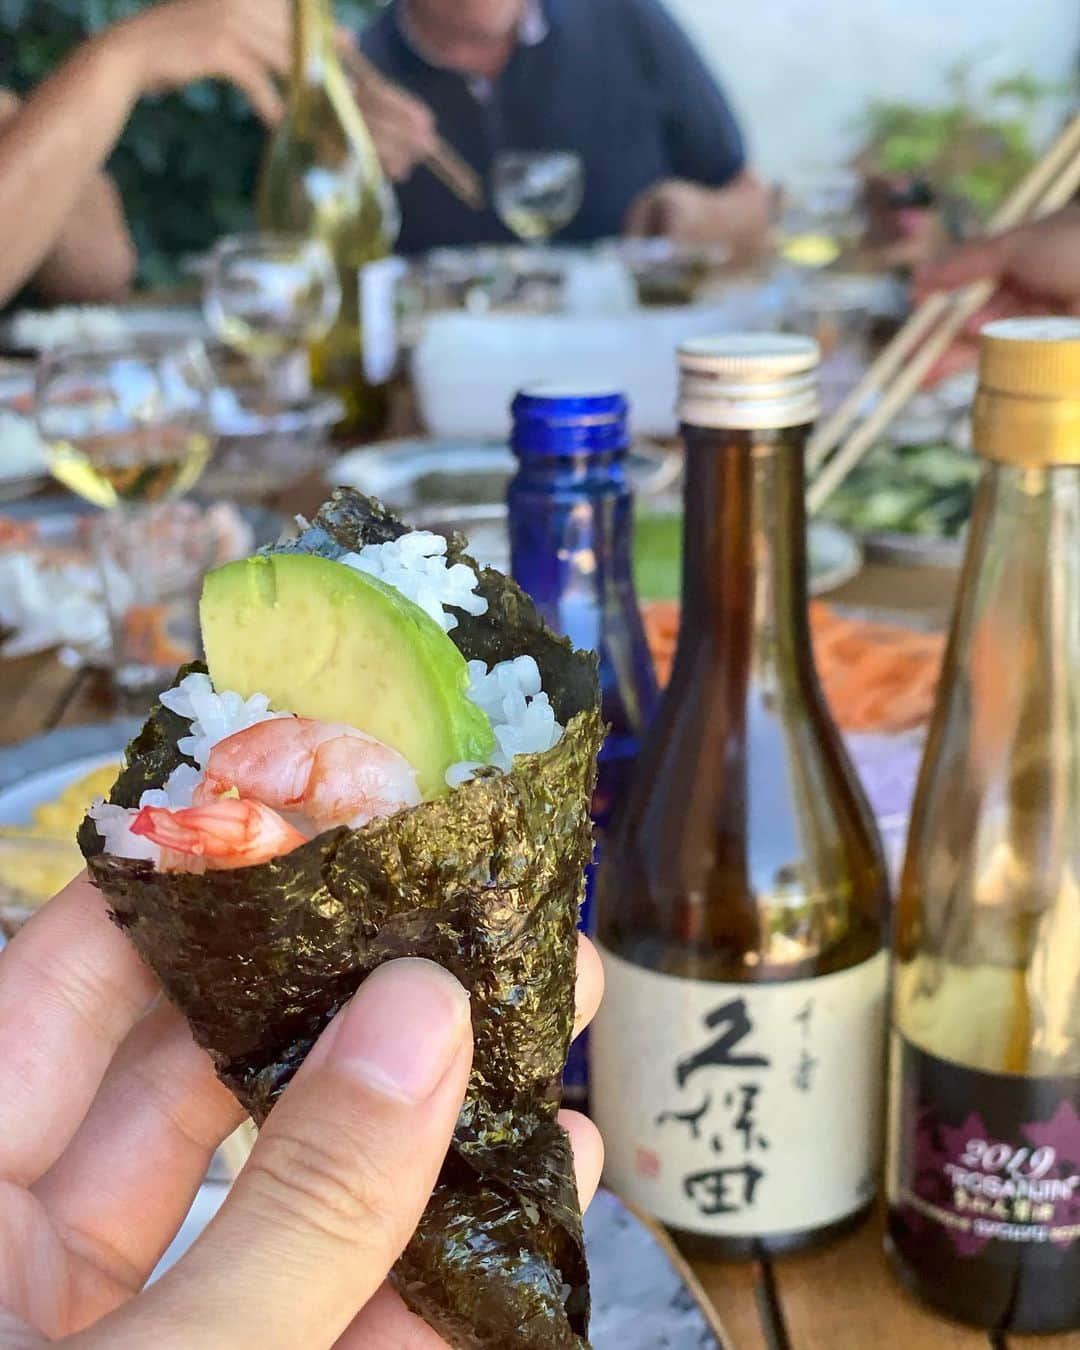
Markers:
point(616, 80)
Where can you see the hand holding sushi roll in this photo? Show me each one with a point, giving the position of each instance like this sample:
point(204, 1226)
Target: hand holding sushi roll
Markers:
point(386, 754)
point(109, 1114)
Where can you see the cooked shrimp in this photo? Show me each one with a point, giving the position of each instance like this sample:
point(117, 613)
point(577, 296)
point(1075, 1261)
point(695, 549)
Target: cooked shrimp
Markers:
point(228, 832)
point(328, 773)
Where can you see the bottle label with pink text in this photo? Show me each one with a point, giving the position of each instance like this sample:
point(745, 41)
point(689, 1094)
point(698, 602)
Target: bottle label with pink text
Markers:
point(988, 1163)
point(741, 1110)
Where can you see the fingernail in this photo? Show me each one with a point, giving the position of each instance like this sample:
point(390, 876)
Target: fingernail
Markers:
point(402, 1029)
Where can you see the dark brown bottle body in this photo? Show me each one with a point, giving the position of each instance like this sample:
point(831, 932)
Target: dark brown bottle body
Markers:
point(743, 900)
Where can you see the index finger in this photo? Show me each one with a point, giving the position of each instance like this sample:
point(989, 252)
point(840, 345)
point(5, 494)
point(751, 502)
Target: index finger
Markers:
point(71, 988)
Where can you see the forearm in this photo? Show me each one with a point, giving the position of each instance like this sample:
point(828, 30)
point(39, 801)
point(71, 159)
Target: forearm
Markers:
point(52, 151)
point(94, 258)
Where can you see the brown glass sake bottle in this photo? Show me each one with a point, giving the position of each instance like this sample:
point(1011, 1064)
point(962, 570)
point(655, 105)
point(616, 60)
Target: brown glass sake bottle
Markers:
point(738, 1060)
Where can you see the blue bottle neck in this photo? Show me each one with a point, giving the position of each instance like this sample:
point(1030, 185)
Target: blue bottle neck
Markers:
point(571, 539)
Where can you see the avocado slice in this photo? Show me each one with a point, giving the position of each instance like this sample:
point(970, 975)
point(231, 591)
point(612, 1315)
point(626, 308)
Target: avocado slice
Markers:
point(322, 640)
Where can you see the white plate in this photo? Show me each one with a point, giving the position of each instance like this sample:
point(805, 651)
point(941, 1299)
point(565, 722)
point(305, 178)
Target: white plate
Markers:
point(433, 473)
point(24, 485)
point(133, 321)
point(19, 802)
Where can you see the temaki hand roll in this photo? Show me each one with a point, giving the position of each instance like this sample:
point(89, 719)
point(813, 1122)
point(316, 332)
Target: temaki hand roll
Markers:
point(388, 754)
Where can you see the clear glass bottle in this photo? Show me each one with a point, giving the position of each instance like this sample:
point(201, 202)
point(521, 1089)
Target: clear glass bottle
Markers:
point(571, 543)
point(738, 1060)
point(322, 178)
point(984, 1167)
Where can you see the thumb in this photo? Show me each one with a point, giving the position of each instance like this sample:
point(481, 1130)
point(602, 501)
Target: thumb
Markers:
point(337, 1181)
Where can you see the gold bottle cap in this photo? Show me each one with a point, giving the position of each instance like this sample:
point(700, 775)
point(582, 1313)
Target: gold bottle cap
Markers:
point(749, 381)
point(1027, 409)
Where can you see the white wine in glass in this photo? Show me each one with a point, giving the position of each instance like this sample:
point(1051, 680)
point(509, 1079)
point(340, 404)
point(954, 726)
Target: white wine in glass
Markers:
point(268, 297)
point(537, 192)
point(126, 424)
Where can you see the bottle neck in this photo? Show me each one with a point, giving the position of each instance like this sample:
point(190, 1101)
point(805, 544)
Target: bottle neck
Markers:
point(313, 28)
point(744, 594)
point(571, 543)
point(1015, 646)
point(575, 510)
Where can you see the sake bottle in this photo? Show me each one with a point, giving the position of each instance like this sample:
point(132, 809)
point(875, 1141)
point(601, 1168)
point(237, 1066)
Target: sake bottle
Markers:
point(737, 1063)
point(322, 178)
point(984, 1169)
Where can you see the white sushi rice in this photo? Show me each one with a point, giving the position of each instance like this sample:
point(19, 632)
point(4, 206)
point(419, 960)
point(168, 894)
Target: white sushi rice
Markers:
point(416, 565)
point(510, 693)
point(212, 716)
point(521, 714)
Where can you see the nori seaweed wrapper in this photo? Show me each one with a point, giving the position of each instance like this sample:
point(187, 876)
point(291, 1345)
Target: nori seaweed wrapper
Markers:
point(486, 881)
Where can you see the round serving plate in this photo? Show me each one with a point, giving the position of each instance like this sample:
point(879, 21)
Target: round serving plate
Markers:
point(38, 770)
point(447, 474)
point(913, 550)
point(114, 323)
point(18, 489)
point(55, 516)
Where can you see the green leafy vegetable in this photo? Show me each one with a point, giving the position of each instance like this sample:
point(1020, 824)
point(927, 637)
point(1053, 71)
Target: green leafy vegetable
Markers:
point(911, 489)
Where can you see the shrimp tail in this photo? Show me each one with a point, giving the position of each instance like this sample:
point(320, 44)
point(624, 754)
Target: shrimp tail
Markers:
point(228, 832)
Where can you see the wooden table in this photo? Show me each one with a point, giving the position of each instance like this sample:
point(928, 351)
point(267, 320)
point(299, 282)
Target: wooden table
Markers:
point(843, 1298)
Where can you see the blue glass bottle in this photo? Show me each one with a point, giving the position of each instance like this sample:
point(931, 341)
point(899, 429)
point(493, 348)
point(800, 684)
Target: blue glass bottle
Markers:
point(571, 548)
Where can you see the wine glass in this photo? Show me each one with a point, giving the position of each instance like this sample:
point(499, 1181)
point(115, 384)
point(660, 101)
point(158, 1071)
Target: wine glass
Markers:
point(537, 192)
point(126, 423)
point(269, 296)
point(128, 427)
point(821, 216)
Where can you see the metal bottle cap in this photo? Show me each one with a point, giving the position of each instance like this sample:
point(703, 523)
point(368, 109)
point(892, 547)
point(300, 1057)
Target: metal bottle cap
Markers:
point(749, 381)
point(1027, 409)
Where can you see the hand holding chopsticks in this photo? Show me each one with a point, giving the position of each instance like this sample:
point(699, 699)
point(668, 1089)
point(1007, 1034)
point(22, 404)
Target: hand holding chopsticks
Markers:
point(443, 160)
point(902, 366)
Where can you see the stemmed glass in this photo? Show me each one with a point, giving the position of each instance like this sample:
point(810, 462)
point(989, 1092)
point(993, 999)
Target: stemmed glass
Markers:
point(821, 216)
point(268, 297)
point(128, 427)
point(126, 423)
point(537, 192)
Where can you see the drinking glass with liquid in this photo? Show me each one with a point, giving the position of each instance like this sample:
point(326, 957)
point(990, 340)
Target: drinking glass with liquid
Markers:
point(126, 424)
point(737, 1064)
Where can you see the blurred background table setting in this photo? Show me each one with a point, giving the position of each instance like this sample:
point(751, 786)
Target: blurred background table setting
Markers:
point(361, 292)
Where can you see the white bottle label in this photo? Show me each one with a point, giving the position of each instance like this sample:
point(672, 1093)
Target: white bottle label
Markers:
point(741, 1110)
point(378, 317)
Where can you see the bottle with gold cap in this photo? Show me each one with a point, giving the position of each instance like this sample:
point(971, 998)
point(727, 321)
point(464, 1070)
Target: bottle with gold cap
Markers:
point(984, 1146)
point(738, 1061)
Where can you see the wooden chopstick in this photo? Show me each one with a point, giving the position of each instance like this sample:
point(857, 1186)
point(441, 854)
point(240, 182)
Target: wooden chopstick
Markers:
point(444, 162)
point(1023, 200)
point(961, 305)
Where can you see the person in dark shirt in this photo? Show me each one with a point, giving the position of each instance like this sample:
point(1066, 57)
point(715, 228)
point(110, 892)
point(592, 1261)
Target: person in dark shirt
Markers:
point(62, 228)
point(615, 80)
